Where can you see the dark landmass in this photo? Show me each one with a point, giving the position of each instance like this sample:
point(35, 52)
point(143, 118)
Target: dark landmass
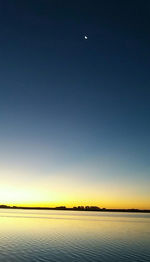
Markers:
point(80, 208)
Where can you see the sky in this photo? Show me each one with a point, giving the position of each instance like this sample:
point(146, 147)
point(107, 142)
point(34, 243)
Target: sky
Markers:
point(75, 112)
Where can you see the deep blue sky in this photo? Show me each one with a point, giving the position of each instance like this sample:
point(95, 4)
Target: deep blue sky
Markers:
point(75, 108)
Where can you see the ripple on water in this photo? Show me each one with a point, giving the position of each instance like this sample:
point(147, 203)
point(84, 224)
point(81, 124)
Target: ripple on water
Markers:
point(74, 237)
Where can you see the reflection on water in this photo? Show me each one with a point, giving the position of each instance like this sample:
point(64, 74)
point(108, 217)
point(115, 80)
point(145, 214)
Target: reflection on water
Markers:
point(33, 235)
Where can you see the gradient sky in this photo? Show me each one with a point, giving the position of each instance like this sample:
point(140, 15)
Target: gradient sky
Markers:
point(75, 113)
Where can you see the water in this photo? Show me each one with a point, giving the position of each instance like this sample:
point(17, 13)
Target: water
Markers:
point(66, 236)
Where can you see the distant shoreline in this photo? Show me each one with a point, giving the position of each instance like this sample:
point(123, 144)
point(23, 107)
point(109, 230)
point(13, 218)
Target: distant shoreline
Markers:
point(80, 208)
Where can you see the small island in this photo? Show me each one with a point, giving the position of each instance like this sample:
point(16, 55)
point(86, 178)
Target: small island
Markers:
point(80, 208)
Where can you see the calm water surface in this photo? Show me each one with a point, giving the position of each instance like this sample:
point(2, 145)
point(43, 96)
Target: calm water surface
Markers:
point(32, 235)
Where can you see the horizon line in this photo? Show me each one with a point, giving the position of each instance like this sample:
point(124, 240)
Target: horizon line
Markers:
point(76, 208)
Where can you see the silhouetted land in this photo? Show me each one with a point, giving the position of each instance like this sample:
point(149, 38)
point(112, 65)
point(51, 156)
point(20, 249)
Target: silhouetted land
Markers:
point(80, 208)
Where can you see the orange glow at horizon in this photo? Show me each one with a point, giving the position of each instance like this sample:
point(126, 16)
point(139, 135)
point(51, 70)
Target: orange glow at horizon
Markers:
point(67, 191)
point(48, 198)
